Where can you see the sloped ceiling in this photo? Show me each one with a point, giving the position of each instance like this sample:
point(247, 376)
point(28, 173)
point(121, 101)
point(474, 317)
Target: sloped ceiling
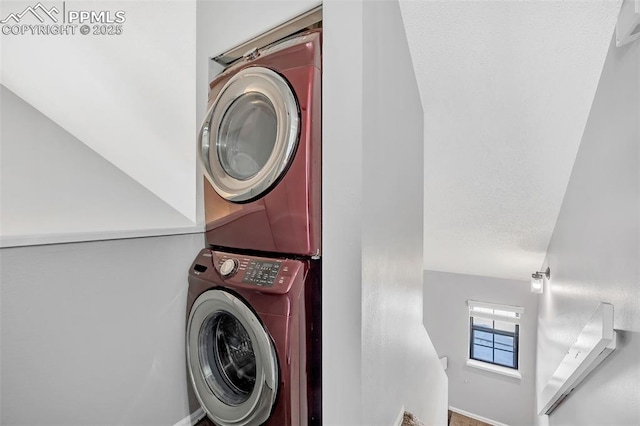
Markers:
point(128, 96)
point(54, 188)
point(506, 88)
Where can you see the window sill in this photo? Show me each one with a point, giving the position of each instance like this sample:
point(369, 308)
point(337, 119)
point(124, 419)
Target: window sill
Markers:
point(510, 372)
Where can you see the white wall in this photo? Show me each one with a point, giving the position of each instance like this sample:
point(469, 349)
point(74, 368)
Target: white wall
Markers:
point(397, 354)
point(342, 197)
point(594, 253)
point(93, 333)
point(97, 143)
point(446, 316)
point(128, 97)
point(54, 188)
point(377, 357)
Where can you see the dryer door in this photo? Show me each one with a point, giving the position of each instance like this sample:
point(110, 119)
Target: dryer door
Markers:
point(250, 134)
point(232, 361)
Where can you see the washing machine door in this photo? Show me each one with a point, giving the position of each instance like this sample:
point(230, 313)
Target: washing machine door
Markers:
point(249, 134)
point(232, 361)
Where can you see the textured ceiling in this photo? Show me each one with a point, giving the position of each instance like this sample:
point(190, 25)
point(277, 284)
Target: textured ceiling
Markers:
point(506, 88)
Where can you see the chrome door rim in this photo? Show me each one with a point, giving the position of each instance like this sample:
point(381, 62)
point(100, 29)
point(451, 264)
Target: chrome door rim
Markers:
point(256, 409)
point(275, 88)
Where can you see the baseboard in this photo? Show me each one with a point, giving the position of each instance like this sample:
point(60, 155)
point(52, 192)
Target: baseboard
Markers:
point(476, 417)
point(192, 418)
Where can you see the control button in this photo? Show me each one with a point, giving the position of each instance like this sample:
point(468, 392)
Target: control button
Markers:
point(228, 267)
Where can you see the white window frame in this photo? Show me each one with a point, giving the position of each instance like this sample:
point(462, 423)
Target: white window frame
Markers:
point(516, 318)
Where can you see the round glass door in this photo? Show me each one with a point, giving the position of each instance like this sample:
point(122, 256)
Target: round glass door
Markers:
point(250, 134)
point(247, 135)
point(227, 358)
point(232, 361)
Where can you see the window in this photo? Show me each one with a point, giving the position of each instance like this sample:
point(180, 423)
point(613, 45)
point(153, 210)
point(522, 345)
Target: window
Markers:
point(494, 332)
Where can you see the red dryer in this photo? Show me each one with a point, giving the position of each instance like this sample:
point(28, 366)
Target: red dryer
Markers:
point(259, 148)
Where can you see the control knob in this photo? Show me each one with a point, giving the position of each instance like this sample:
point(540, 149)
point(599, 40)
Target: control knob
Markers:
point(228, 268)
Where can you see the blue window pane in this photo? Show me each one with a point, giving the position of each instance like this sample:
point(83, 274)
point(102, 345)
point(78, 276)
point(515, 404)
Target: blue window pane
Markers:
point(483, 338)
point(504, 340)
point(503, 346)
point(482, 353)
point(504, 358)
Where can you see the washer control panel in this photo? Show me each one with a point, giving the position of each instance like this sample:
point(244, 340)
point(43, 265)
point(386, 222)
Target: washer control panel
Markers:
point(255, 271)
point(261, 272)
point(241, 271)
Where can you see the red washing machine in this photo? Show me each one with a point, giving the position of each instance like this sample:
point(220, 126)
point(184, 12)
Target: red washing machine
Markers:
point(259, 147)
point(253, 339)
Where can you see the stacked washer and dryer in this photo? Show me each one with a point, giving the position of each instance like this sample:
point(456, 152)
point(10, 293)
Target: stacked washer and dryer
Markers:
point(254, 303)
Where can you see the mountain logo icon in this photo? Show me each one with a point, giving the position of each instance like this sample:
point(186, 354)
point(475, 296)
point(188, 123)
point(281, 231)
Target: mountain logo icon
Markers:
point(38, 10)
